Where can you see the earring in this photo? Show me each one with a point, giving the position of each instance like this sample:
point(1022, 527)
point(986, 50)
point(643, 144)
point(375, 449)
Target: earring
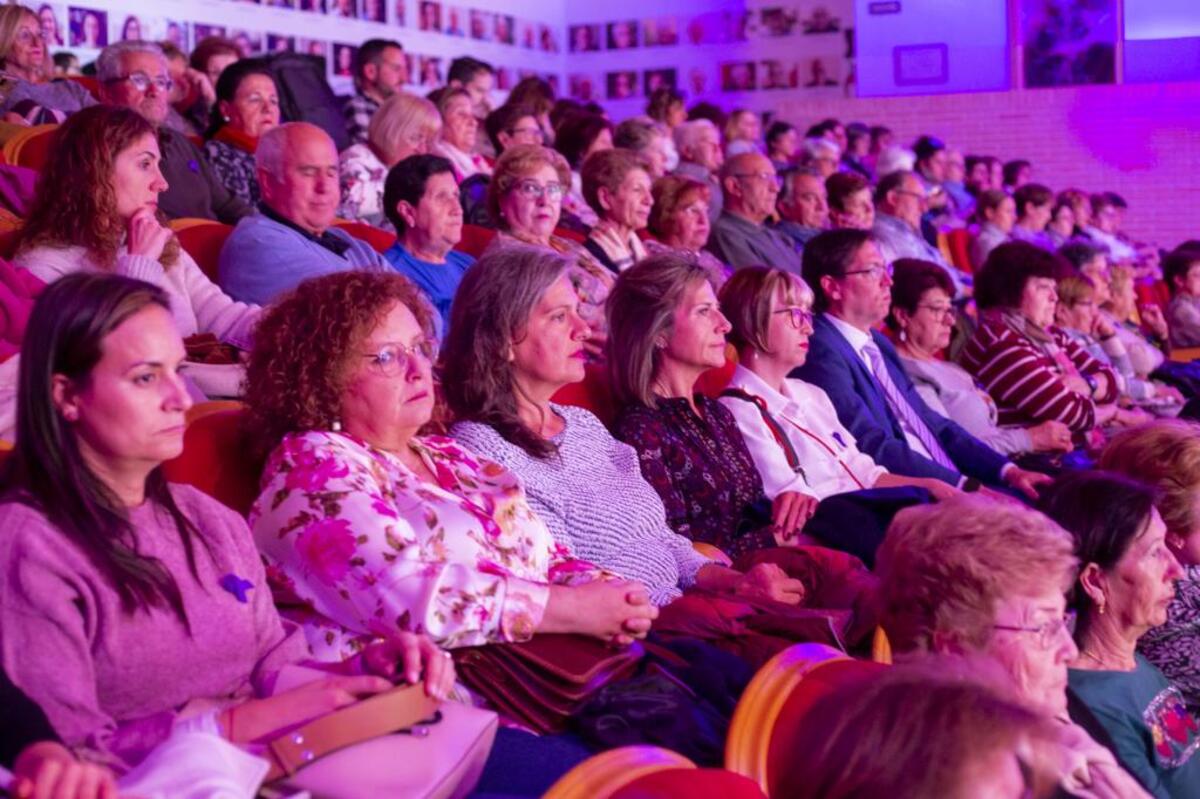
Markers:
point(1101, 610)
point(660, 345)
point(903, 334)
point(336, 426)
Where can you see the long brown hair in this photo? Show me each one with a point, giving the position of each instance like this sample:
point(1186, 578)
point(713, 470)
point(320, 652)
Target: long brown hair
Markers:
point(76, 202)
point(490, 310)
point(46, 471)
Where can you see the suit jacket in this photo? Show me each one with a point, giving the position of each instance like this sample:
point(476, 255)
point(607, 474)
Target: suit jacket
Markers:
point(862, 407)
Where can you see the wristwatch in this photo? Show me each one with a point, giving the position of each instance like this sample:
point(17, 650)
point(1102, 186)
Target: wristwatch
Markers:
point(1093, 384)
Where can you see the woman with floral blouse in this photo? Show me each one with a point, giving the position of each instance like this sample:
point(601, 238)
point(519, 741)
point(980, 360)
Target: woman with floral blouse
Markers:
point(371, 528)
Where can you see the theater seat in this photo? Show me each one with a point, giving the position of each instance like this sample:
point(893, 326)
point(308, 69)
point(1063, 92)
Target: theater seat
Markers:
point(958, 245)
point(30, 148)
point(602, 775)
point(202, 239)
point(380, 240)
point(592, 393)
point(1156, 293)
point(89, 83)
point(775, 705)
point(475, 240)
point(215, 459)
point(691, 782)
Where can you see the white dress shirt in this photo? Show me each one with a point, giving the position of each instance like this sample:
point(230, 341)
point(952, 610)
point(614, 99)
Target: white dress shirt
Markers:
point(829, 457)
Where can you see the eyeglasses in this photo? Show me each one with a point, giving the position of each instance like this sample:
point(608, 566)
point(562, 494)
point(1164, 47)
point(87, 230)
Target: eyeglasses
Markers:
point(875, 270)
point(799, 316)
point(142, 82)
point(769, 177)
point(939, 311)
point(393, 359)
point(29, 36)
point(532, 190)
point(1047, 632)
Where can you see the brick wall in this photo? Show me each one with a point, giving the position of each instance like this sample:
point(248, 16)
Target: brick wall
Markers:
point(1141, 140)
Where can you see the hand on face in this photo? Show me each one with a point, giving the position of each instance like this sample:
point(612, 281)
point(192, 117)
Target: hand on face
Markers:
point(147, 237)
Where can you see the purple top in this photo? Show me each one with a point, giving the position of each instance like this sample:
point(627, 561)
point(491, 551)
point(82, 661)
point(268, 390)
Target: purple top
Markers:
point(112, 683)
point(703, 471)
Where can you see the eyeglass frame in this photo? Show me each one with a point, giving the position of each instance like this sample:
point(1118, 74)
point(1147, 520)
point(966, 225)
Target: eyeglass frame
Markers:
point(164, 84)
point(777, 179)
point(1047, 631)
point(536, 190)
point(799, 315)
point(426, 347)
point(877, 269)
point(939, 312)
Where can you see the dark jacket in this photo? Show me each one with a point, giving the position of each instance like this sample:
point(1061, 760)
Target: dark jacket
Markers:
point(193, 190)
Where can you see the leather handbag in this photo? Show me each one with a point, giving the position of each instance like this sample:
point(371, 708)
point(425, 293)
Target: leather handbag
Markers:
point(544, 681)
point(396, 743)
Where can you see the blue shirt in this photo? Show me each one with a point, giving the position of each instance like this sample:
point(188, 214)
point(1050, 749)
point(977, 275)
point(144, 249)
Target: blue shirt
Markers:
point(438, 281)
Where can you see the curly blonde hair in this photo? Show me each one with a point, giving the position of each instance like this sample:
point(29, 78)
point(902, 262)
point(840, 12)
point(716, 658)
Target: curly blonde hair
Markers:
point(1166, 454)
point(76, 201)
point(944, 567)
point(304, 344)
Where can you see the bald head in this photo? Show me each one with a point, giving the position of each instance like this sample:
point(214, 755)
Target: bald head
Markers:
point(751, 186)
point(297, 166)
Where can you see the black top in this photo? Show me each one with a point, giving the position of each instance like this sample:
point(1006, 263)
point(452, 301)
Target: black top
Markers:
point(24, 722)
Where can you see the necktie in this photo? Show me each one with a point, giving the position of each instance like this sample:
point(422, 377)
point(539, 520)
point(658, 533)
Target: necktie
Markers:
point(903, 410)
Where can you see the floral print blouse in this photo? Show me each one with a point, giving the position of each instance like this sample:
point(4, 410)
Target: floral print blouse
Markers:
point(234, 167)
point(361, 547)
point(703, 471)
point(362, 176)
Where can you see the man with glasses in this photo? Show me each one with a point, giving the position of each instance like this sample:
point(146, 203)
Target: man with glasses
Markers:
point(803, 205)
point(900, 200)
point(860, 371)
point(740, 236)
point(292, 237)
point(134, 75)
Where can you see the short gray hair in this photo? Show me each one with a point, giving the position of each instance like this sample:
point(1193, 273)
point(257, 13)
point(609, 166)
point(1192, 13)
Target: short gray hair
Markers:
point(789, 176)
point(108, 65)
point(688, 133)
point(816, 147)
point(638, 133)
point(268, 157)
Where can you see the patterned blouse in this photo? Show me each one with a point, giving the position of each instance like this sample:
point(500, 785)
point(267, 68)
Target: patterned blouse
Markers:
point(703, 471)
point(234, 167)
point(363, 547)
point(1175, 646)
point(362, 176)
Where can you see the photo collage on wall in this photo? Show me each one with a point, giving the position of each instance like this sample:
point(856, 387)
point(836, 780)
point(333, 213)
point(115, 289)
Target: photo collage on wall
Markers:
point(804, 46)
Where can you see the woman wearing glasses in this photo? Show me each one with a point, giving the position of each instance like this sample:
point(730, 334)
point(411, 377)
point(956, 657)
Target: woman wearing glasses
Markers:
point(921, 322)
point(525, 199)
point(247, 106)
point(24, 67)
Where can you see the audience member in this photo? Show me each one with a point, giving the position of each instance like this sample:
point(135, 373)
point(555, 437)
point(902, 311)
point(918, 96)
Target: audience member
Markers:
point(931, 160)
point(850, 202)
point(978, 178)
point(1125, 586)
point(577, 137)
point(679, 221)
point(894, 159)
point(700, 157)
point(616, 185)
point(477, 78)
point(1015, 174)
point(537, 94)
point(1081, 207)
point(665, 105)
point(802, 205)
point(29, 94)
point(740, 236)
point(192, 95)
point(291, 237)
point(460, 130)
point(743, 130)
point(1033, 201)
point(854, 157)
point(1104, 227)
point(783, 143)
point(512, 124)
point(525, 198)
point(1142, 328)
point(955, 185)
point(1061, 227)
point(861, 373)
point(1181, 271)
point(649, 139)
point(404, 125)
point(421, 198)
point(127, 598)
point(134, 75)
point(212, 55)
point(882, 139)
point(821, 155)
point(900, 200)
point(996, 213)
point(380, 70)
point(247, 106)
point(987, 581)
point(106, 171)
point(922, 319)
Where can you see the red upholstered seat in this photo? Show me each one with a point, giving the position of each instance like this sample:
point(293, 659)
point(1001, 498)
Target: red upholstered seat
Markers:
point(958, 242)
point(693, 782)
point(202, 239)
point(592, 393)
point(89, 83)
point(31, 147)
point(475, 240)
point(1156, 293)
point(380, 240)
point(216, 460)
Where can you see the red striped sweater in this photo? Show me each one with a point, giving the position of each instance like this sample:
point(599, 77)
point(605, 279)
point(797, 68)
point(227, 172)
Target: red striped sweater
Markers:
point(1026, 383)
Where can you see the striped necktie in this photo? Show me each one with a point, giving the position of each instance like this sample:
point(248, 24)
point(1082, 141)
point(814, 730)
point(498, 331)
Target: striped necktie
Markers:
point(903, 410)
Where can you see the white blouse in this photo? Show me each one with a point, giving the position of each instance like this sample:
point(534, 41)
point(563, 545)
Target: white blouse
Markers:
point(829, 460)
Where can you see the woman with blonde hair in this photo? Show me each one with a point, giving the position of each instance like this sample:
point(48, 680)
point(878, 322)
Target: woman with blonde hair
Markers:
point(1166, 454)
point(26, 69)
point(404, 125)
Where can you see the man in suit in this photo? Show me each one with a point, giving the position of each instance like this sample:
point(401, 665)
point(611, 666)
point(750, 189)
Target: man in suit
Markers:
point(859, 369)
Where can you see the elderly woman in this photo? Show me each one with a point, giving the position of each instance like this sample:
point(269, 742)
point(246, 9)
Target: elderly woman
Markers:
point(425, 535)
point(790, 427)
point(131, 606)
point(459, 141)
point(649, 139)
point(525, 198)
point(1145, 341)
point(1124, 588)
point(679, 220)
point(96, 211)
point(1166, 454)
point(850, 201)
point(516, 339)
point(1033, 371)
point(578, 135)
point(26, 69)
point(922, 320)
point(247, 106)
point(404, 125)
point(977, 578)
point(996, 213)
point(820, 154)
point(617, 186)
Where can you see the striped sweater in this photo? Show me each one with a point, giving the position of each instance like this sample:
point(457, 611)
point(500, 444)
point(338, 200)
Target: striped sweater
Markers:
point(1026, 382)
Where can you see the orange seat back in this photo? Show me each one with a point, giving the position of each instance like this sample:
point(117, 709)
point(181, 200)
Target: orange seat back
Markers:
point(380, 240)
point(698, 782)
point(215, 460)
point(89, 83)
point(475, 240)
point(202, 239)
point(30, 148)
point(10, 233)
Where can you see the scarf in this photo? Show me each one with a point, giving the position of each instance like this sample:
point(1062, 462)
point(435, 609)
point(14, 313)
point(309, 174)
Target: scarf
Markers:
point(236, 138)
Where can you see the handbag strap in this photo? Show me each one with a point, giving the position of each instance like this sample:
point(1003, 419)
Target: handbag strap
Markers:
point(789, 452)
point(397, 709)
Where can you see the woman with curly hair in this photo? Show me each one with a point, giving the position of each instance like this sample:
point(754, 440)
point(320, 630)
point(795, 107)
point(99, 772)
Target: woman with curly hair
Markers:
point(96, 210)
point(378, 529)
